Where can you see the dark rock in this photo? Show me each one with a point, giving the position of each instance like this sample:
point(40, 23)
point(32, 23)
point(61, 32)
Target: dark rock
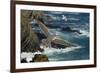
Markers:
point(40, 58)
point(41, 50)
point(23, 60)
point(62, 46)
point(40, 36)
point(71, 30)
point(54, 45)
point(52, 26)
point(66, 28)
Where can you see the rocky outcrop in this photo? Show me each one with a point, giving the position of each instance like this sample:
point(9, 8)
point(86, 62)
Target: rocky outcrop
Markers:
point(71, 30)
point(57, 46)
point(40, 58)
point(29, 39)
point(23, 60)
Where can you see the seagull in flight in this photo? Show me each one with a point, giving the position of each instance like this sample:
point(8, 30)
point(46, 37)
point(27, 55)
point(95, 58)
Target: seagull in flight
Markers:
point(64, 18)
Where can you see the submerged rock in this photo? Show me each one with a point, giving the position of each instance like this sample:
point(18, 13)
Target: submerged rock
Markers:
point(40, 58)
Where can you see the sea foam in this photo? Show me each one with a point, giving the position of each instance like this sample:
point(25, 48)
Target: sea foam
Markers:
point(50, 51)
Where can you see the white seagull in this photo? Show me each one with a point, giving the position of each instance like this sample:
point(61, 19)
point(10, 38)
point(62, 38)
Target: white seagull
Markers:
point(64, 18)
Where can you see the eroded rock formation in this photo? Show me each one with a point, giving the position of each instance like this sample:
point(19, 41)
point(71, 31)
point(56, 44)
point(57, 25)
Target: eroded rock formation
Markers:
point(29, 40)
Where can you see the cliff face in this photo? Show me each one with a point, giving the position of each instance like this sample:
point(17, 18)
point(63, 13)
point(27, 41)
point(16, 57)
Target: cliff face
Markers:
point(29, 40)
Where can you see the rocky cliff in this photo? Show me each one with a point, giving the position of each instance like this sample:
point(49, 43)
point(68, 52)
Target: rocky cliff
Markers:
point(29, 40)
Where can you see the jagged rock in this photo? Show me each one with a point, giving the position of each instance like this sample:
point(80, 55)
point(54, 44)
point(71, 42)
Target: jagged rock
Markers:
point(29, 39)
point(23, 60)
point(71, 30)
point(57, 45)
point(40, 58)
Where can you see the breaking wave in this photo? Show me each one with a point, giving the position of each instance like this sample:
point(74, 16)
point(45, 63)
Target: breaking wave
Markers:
point(50, 51)
point(84, 33)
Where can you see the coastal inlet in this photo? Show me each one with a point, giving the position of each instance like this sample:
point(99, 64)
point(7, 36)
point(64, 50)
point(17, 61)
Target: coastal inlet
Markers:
point(54, 36)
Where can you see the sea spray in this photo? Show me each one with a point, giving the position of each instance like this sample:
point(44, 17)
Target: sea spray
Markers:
point(49, 52)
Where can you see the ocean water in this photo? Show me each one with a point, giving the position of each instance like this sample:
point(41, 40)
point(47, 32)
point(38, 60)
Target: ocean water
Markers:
point(60, 20)
point(81, 52)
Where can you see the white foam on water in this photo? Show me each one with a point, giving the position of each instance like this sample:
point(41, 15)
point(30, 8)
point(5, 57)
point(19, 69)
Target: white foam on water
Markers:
point(28, 59)
point(29, 55)
point(53, 59)
point(26, 55)
point(51, 51)
point(84, 33)
point(48, 51)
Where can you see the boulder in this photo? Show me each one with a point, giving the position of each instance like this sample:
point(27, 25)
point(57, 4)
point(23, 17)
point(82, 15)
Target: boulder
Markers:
point(40, 58)
point(23, 60)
